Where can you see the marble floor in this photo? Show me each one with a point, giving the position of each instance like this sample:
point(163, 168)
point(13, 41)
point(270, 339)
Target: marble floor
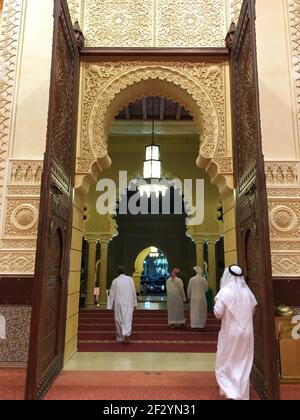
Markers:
point(152, 302)
point(144, 302)
point(152, 298)
point(152, 362)
point(152, 305)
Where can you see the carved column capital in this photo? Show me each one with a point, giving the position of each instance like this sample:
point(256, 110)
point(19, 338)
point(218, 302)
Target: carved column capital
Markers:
point(211, 241)
point(104, 243)
point(199, 241)
point(92, 241)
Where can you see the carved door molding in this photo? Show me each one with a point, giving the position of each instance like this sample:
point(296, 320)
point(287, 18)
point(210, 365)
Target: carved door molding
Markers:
point(251, 199)
point(47, 335)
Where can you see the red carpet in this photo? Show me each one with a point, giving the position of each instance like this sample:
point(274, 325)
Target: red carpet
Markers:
point(151, 333)
point(128, 386)
point(12, 384)
point(136, 386)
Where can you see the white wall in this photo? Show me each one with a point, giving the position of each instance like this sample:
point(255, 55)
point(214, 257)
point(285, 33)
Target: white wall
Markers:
point(277, 101)
point(33, 82)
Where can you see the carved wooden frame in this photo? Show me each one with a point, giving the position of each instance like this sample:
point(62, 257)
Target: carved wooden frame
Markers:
point(251, 199)
point(49, 308)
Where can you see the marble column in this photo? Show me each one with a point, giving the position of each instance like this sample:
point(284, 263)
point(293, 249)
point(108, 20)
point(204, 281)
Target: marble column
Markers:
point(212, 265)
point(199, 252)
point(103, 271)
point(91, 272)
point(137, 280)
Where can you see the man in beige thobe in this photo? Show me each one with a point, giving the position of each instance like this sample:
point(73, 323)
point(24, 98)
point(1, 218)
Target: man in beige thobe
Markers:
point(196, 292)
point(176, 299)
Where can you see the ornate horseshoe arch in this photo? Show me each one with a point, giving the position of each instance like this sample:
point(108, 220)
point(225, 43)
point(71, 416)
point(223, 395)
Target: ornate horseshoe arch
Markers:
point(110, 86)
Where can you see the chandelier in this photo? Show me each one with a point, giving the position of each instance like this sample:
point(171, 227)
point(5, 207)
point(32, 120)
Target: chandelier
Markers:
point(152, 168)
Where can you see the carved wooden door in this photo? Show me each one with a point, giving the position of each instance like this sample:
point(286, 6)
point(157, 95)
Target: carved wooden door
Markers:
point(251, 199)
point(48, 322)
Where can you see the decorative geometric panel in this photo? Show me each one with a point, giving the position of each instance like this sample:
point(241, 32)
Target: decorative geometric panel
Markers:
point(74, 8)
point(294, 20)
point(119, 23)
point(9, 40)
point(235, 8)
point(155, 23)
point(190, 23)
point(204, 82)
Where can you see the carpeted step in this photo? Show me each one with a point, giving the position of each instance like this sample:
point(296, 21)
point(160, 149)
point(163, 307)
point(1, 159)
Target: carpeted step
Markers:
point(148, 347)
point(145, 328)
point(138, 313)
point(151, 333)
point(163, 336)
point(147, 322)
point(140, 320)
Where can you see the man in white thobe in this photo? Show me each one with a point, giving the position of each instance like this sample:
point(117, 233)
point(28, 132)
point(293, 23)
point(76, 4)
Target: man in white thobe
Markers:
point(235, 305)
point(122, 298)
point(196, 292)
point(175, 299)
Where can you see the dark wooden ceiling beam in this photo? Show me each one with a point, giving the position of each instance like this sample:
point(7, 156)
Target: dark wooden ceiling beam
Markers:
point(127, 112)
point(100, 54)
point(144, 108)
point(178, 112)
point(162, 108)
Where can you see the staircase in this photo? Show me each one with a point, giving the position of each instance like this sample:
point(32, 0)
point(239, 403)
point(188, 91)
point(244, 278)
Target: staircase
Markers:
point(150, 333)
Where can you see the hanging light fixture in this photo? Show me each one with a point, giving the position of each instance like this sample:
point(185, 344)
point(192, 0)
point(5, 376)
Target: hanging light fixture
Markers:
point(152, 164)
point(152, 167)
point(154, 252)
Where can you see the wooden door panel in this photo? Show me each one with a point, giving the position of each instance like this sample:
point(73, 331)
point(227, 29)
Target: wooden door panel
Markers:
point(48, 322)
point(251, 199)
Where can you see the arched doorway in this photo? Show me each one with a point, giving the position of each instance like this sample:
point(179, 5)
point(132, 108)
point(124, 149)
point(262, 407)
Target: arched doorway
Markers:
point(166, 231)
point(198, 92)
point(169, 80)
point(151, 272)
point(107, 90)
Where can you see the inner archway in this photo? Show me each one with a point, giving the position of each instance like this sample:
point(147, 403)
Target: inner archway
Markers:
point(152, 271)
point(196, 87)
point(138, 232)
point(179, 151)
point(139, 266)
point(104, 152)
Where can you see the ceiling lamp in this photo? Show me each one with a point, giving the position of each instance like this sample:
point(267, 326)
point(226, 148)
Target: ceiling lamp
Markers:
point(154, 252)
